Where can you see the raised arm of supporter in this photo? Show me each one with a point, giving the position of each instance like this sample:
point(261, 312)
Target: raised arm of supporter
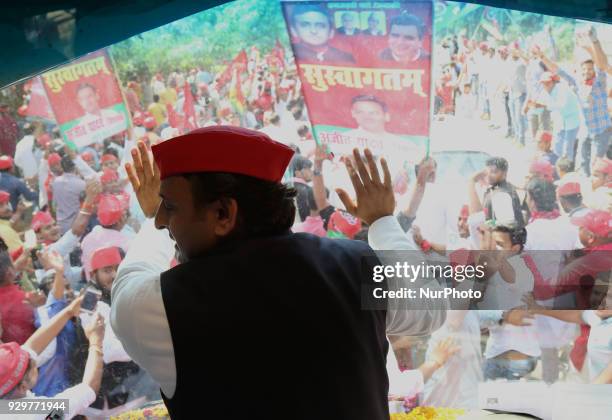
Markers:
point(53, 260)
point(443, 350)
point(84, 169)
point(550, 65)
point(45, 334)
point(426, 168)
point(138, 316)
point(318, 184)
point(92, 376)
point(424, 243)
point(475, 205)
point(590, 42)
point(375, 204)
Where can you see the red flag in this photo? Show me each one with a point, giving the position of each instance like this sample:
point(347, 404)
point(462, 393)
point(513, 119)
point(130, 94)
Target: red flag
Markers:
point(188, 109)
point(239, 62)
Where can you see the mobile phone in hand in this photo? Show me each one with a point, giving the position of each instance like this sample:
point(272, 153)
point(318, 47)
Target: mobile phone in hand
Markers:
point(90, 300)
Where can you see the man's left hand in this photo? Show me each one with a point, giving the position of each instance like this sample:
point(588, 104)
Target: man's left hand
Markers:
point(375, 198)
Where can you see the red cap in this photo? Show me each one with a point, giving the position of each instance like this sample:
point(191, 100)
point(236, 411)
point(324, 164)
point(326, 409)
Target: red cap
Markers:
point(54, 159)
point(87, 156)
point(4, 197)
point(484, 46)
point(43, 140)
point(542, 168)
point(40, 219)
point(223, 149)
point(6, 162)
point(110, 210)
point(105, 257)
point(149, 122)
point(343, 222)
point(138, 119)
point(16, 253)
point(503, 49)
point(22, 110)
point(108, 157)
point(549, 77)
point(464, 213)
point(13, 366)
point(569, 188)
point(603, 165)
point(598, 222)
point(544, 136)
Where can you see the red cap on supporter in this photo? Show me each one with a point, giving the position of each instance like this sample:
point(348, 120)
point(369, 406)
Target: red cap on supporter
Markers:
point(568, 188)
point(343, 222)
point(13, 366)
point(598, 222)
point(465, 212)
point(149, 122)
point(105, 257)
point(16, 253)
point(603, 165)
point(6, 162)
point(4, 197)
point(484, 46)
point(544, 136)
point(110, 210)
point(108, 175)
point(40, 219)
point(542, 168)
point(108, 157)
point(223, 149)
point(54, 159)
point(87, 156)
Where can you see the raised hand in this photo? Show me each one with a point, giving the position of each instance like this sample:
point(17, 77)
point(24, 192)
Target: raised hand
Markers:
point(375, 198)
point(145, 179)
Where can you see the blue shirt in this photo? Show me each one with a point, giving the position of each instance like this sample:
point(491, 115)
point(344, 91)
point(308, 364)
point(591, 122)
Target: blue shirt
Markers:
point(16, 188)
point(53, 375)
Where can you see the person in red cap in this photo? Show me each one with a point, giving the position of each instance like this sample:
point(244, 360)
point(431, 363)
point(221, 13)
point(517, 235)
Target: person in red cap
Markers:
point(229, 218)
point(16, 315)
point(88, 157)
point(112, 215)
point(570, 199)
point(543, 144)
point(541, 168)
point(13, 185)
point(19, 364)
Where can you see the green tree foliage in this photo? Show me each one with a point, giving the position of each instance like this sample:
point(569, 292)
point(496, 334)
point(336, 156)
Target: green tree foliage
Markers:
point(209, 39)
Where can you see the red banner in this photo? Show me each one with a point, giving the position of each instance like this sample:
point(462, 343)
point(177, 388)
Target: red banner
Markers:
point(365, 71)
point(86, 99)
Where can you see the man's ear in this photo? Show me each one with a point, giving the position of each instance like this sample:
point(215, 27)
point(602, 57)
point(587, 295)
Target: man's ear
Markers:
point(226, 212)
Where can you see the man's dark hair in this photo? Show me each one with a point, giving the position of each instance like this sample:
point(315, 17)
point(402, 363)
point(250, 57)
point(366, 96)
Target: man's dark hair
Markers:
point(67, 164)
point(571, 201)
point(155, 98)
point(499, 162)
point(406, 19)
point(28, 129)
point(300, 9)
point(264, 207)
point(565, 165)
point(543, 194)
point(5, 260)
point(369, 98)
point(518, 235)
point(85, 86)
point(299, 162)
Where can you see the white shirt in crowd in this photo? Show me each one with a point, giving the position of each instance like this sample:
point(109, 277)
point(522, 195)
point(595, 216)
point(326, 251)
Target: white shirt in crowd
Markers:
point(138, 316)
point(25, 158)
point(599, 347)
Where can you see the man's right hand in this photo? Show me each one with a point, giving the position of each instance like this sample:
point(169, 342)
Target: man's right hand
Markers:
point(375, 198)
point(145, 179)
point(479, 176)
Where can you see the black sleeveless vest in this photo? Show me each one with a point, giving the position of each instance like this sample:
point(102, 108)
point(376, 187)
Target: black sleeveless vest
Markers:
point(273, 328)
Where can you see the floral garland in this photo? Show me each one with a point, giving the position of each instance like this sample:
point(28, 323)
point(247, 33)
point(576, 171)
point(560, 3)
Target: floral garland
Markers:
point(429, 413)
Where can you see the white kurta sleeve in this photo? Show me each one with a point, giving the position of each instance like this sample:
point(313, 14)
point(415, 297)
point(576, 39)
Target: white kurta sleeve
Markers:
point(418, 316)
point(138, 316)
